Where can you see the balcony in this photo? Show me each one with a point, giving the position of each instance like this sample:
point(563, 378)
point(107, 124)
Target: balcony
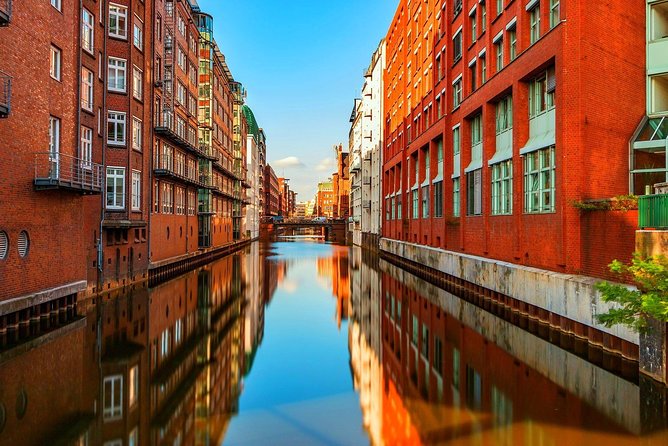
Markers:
point(66, 172)
point(5, 12)
point(5, 94)
point(165, 127)
point(653, 211)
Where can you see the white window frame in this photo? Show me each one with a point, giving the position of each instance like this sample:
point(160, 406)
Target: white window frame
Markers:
point(86, 148)
point(57, 4)
point(119, 13)
point(87, 31)
point(456, 197)
point(555, 13)
point(502, 188)
point(119, 120)
point(112, 410)
point(138, 34)
point(137, 83)
point(504, 114)
point(137, 133)
point(136, 192)
point(56, 62)
point(114, 174)
point(534, 23)
point(116, 67)
point(535, 176)
point(87, 82)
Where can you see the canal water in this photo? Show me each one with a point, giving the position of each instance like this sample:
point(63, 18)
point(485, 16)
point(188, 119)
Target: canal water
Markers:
point(301, 342)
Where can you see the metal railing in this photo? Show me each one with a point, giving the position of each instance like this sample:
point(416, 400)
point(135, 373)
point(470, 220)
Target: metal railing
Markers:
point(653, 211)
point(66, 171)
point(5, 93)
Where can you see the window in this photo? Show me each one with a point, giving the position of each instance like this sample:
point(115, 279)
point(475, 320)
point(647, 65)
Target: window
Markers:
point(483, 17)
point(438, 355)
point(425, 341)
point(414, 338)
point(133, 437)
point(483, 69)
point(457, 46)
point(474, 192)
point(416, 209)
point(181, 59)
point(113, 397)
point(473, 69)
point(476, 130)
point(56, 61)
point(116, 74)
point(498, 45)
point(137, 83)
point(87, 31)
point(457, 7)
point(541, 95)
point(438, 199)
point(56, 4)
point(512, 38)
point(534, 22)
point(455, 197)
point(54, 137)
point(425, 202)
point(502, 188)
point(136, 190)
point(457, 93)
point(504, 114)
point(539, 181)
point(116, 128)
point(133, 391)
point(136, 133)
point(86, 149)
point(456, 141)
point(499, 7)
point(156, 198)
point(86, 89)
point(474, 35)
point(115, 188)
point(555, 14)
point(181, 25)
point(138, 34)
point(118, 18)
point(167, 198)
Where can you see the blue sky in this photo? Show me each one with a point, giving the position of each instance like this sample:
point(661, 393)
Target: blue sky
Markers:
point(302, 63)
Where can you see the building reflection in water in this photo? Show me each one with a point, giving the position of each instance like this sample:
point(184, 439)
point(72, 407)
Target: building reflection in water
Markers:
point(334, 269)
point(149, 367)
point(427, 377)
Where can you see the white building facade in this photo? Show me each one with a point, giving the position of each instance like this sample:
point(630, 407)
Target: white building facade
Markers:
point(366, 150)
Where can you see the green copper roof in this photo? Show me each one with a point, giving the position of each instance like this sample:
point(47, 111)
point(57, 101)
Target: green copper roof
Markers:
point(252, 123)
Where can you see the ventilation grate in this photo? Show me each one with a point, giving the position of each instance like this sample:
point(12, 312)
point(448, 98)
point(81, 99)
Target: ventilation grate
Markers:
point(24, 244)
point(4, 245)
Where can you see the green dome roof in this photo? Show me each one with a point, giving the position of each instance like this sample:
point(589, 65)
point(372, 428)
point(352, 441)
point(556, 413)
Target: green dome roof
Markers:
point(252, 123)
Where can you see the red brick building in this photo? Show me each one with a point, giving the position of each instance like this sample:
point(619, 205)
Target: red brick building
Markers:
point(271, 192)
point(499, 116)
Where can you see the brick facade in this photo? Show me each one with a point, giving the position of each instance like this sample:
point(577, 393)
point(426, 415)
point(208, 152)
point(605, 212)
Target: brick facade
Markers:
point(595, 114)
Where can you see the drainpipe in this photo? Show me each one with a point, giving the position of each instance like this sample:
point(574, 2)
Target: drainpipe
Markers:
point(152, 143)
point(103, 179)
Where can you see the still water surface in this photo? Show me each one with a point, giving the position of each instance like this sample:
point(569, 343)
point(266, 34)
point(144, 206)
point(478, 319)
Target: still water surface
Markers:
point(306, 343)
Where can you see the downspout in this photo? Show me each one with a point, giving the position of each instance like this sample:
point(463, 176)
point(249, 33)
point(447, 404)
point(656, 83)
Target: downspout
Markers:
point(103, 114)
point(152, 145)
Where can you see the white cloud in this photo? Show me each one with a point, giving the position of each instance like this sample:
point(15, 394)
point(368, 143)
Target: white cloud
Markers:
point(326, 165)
point(291, 161)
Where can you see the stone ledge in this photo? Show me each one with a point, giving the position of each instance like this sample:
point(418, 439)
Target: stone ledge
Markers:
point(571, 296)
point(30, 300)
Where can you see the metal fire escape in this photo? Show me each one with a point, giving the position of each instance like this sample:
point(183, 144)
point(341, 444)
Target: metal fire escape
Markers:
point(167, 118)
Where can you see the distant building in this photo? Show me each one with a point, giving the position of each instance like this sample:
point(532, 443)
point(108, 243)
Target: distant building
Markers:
point(271, 197)
point(300, 209)
point(341, 184)
point(324, 203)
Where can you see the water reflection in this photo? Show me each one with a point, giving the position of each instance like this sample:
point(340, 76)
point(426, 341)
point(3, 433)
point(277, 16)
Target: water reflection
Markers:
point(443, 371)
point(307, 343)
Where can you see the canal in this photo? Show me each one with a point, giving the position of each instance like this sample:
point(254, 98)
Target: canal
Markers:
point(302, 342)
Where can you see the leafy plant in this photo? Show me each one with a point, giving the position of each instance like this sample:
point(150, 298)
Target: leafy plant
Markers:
point(636, 306)
point(619, 203)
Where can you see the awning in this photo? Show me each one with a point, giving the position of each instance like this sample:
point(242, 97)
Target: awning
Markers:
point(538, 142)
